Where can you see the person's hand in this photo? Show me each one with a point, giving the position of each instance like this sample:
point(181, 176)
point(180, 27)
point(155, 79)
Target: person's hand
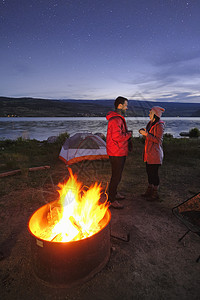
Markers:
point(143, 131)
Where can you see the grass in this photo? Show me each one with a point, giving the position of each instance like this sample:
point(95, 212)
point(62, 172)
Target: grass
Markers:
point(179, 174)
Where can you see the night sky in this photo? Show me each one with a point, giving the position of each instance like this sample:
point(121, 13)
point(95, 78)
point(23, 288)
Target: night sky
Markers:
point(99, 49)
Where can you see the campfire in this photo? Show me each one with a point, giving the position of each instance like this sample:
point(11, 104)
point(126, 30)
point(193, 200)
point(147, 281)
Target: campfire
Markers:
point(70, 237)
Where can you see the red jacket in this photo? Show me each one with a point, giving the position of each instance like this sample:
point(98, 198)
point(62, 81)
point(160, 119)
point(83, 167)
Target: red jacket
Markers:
point(117, 135)
point(153, 152)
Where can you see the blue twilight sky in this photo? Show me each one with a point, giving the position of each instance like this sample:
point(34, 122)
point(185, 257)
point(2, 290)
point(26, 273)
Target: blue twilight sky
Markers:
point(99, 49)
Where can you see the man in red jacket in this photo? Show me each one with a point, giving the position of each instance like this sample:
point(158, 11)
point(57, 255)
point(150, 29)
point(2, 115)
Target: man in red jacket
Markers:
point(117, 147)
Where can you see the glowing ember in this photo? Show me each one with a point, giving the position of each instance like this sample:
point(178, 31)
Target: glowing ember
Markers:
point(77, 214)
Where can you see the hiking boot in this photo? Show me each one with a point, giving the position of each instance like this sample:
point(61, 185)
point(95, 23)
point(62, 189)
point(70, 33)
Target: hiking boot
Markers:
point(116, 204)
point(154, 196)
point(119, 196)
point(148, 192)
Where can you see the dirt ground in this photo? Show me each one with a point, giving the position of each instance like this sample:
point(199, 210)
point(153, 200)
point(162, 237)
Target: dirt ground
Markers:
point(151, 265)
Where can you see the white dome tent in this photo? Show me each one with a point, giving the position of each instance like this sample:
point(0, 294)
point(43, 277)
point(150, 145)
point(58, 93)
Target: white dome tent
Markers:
point(83, 146)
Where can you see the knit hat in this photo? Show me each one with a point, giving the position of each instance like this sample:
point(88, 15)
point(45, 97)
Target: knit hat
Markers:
point(158, 110)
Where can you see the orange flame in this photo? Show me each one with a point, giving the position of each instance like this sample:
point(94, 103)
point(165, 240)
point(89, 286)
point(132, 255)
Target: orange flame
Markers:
point(78, 213)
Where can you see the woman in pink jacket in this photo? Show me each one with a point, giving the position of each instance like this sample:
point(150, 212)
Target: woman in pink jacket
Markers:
point(153, 151)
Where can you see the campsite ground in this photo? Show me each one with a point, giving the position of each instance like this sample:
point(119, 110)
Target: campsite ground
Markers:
point(151, 265)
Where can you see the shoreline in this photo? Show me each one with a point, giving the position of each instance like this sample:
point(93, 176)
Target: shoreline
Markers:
point(101, 117)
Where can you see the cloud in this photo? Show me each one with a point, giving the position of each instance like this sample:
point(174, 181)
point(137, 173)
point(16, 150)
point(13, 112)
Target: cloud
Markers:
point(171, 58)
point(169, 78)
point(180, 97)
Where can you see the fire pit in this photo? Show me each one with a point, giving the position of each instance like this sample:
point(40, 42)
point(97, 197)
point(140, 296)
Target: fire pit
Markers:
point(70, 237)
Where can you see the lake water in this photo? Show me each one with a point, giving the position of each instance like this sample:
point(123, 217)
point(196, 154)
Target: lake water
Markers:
point(42, 128)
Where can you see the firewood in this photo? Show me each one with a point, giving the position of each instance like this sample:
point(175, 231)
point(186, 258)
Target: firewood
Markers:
point(19, 171)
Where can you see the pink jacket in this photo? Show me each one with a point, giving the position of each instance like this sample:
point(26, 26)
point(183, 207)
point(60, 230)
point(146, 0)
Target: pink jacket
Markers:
point(153, 151)
point(117, 135)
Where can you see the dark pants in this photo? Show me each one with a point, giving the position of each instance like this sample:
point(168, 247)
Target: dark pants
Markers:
point(117, 166)
point(152, 173)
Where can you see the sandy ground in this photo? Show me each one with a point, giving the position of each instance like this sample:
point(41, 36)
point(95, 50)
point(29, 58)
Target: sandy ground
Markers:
point(152, 265)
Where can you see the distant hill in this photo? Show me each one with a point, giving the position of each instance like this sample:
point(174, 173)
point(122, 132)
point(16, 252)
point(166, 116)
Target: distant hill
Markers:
point(34, 107)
